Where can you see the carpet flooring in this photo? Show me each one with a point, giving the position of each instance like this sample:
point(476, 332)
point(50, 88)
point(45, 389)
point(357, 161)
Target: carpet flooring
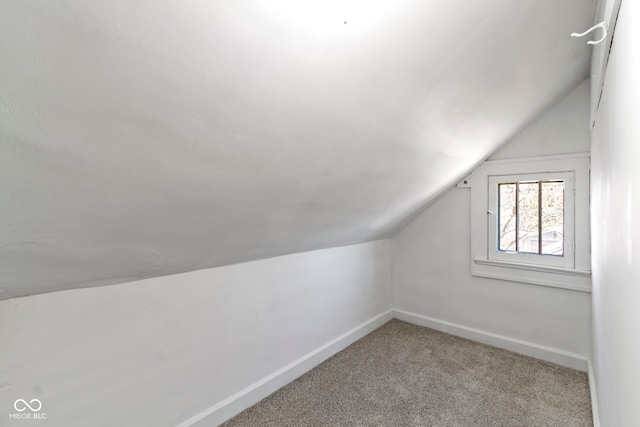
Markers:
point(407, 375)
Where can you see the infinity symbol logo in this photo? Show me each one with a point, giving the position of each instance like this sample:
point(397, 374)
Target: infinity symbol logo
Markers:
point(26, 405)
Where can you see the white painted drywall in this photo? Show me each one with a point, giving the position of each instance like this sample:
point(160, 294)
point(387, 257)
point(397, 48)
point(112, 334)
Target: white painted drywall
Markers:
point(158, 351)
point(561, 130)
point(616, 229)
point(607, 11)
point(431, 257)
point(151, 137)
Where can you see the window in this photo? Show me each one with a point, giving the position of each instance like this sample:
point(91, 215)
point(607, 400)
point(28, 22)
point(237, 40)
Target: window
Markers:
point(530, 221)
point(528, 218)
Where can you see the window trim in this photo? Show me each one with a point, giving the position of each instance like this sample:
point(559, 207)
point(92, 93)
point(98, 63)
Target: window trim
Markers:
point(575, 275)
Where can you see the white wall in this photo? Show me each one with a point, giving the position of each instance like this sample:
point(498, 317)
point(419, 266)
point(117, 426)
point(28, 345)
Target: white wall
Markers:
point(616, 229)
point(563, 129)
point(162, 136)
point(158, 351)
point(431, 257)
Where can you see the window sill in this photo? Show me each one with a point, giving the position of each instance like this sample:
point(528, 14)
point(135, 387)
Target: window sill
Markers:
point(534, 267)
point(556, 277)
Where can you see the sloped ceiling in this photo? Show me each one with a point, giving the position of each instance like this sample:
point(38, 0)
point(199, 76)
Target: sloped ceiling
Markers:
point(151, 137)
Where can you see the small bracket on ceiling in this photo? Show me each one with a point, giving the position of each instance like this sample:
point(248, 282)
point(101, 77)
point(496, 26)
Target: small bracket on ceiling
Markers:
point(602, 25)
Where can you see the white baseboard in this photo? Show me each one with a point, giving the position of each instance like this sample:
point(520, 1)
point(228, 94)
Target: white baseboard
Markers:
point(549, 354)
point(553, 355)
point(233, 405)
point(594, 395)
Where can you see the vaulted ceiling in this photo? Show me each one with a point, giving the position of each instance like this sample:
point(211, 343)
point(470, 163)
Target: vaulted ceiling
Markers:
point(151, 137)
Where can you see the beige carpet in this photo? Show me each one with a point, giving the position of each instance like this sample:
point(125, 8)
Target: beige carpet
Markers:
point(407, 375)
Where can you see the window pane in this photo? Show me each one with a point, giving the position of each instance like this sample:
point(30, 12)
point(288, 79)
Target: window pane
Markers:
point(528, 217)
point(507, 217)
point(553, 218)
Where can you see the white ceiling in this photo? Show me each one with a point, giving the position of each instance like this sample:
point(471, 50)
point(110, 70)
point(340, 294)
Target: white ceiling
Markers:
point(151, 137)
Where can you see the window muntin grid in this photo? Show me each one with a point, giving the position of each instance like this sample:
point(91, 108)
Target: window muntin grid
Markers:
point(531, 217)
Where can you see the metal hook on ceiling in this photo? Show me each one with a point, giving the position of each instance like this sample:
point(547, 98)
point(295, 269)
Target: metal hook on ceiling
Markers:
point(602, 25)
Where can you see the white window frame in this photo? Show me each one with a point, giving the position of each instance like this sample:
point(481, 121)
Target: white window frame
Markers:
point(571, 271)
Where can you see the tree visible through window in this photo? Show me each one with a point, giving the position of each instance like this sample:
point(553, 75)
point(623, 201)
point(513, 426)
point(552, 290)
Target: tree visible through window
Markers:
point(531, 217)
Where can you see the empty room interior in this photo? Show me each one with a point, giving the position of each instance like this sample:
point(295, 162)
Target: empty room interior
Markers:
point(309, 213)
